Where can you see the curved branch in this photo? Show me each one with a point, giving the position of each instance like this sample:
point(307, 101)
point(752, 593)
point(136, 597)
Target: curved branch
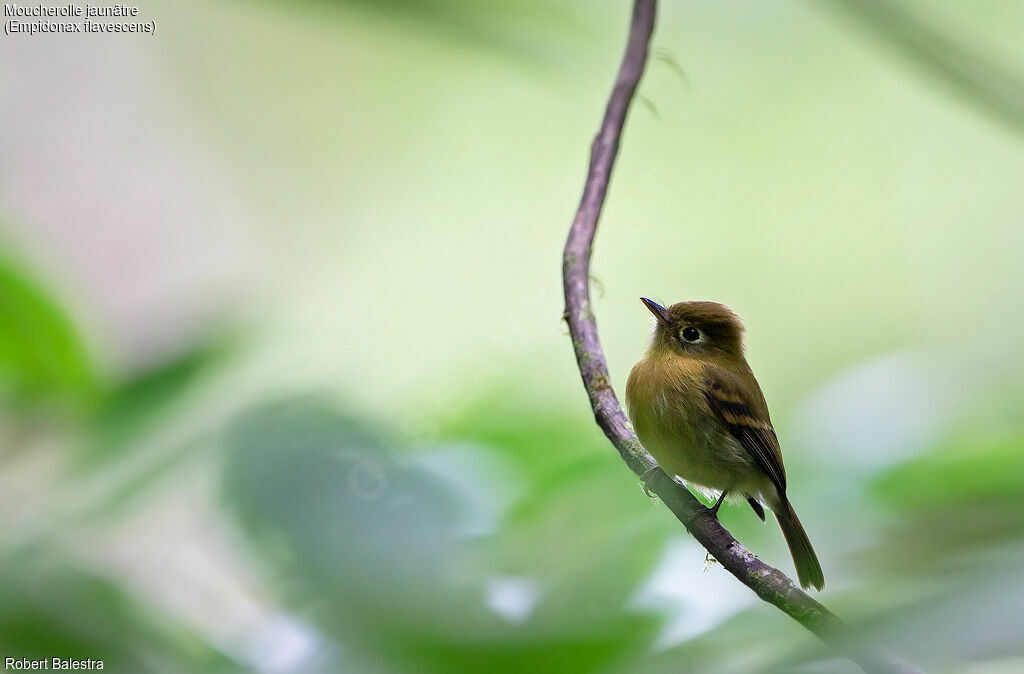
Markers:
point(769, 583)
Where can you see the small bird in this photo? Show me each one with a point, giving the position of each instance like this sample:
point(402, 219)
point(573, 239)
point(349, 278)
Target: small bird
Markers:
point(697, 408)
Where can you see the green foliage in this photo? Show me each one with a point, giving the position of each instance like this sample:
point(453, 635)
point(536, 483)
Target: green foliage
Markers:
point(371, 544)
point(42, 355)
point(50, 609)
point(840, 231)
point(957, 503)
point(44, 362)
point(129, 409)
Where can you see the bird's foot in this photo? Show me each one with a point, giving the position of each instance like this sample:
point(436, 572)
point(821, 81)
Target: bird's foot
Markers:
point(713, 510)
point(647, 476)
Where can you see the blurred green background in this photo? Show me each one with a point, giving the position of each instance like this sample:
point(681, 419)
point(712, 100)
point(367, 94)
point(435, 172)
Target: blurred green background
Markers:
point(284, 388)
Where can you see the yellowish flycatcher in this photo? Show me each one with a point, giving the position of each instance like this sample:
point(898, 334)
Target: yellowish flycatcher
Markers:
point(699, 411)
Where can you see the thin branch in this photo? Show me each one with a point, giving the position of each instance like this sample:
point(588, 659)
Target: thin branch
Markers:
point(769, 583)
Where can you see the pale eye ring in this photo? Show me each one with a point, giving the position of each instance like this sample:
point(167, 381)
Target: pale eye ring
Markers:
point(690, 334)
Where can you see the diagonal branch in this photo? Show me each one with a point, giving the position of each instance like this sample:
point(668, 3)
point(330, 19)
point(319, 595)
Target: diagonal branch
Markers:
point(769, 583)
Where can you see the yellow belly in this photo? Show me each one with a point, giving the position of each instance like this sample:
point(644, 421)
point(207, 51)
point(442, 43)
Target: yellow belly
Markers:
point(675, 424)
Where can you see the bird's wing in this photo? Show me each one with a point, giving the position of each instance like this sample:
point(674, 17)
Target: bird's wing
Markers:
point(742, 415)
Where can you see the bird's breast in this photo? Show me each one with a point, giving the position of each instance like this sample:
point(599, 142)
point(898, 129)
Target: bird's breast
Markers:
point(666, 404)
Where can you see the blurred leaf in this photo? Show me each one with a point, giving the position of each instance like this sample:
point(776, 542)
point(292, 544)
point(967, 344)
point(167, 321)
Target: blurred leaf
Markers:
point(962, 499)
point(977, 469)
point(502, 25)
point(363, 543)
point(132, 407)
point(970, 616)
point(759, 639)
point(53, 610)
point(42, 356)
point(543, 438)
point(44, 360)
point(369, 544)
point(589, 537)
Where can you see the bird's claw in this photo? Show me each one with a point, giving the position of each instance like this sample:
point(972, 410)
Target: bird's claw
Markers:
point(645, 477)
point(713, 510)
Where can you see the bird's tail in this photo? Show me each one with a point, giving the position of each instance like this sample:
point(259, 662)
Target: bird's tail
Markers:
point(808, 570)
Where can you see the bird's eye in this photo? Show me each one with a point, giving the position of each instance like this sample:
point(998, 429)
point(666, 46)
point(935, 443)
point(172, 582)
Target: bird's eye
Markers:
point(690, 333)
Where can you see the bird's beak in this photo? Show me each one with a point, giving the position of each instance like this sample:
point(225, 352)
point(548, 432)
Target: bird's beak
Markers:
point(660, 312)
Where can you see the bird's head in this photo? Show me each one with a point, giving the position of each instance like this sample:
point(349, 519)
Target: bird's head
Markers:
point(696, 329)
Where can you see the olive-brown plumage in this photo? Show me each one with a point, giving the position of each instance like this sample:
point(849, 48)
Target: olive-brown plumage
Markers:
point(698, 409)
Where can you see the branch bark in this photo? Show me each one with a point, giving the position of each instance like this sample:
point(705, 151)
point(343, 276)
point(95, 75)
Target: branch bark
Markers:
point(768, 583)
